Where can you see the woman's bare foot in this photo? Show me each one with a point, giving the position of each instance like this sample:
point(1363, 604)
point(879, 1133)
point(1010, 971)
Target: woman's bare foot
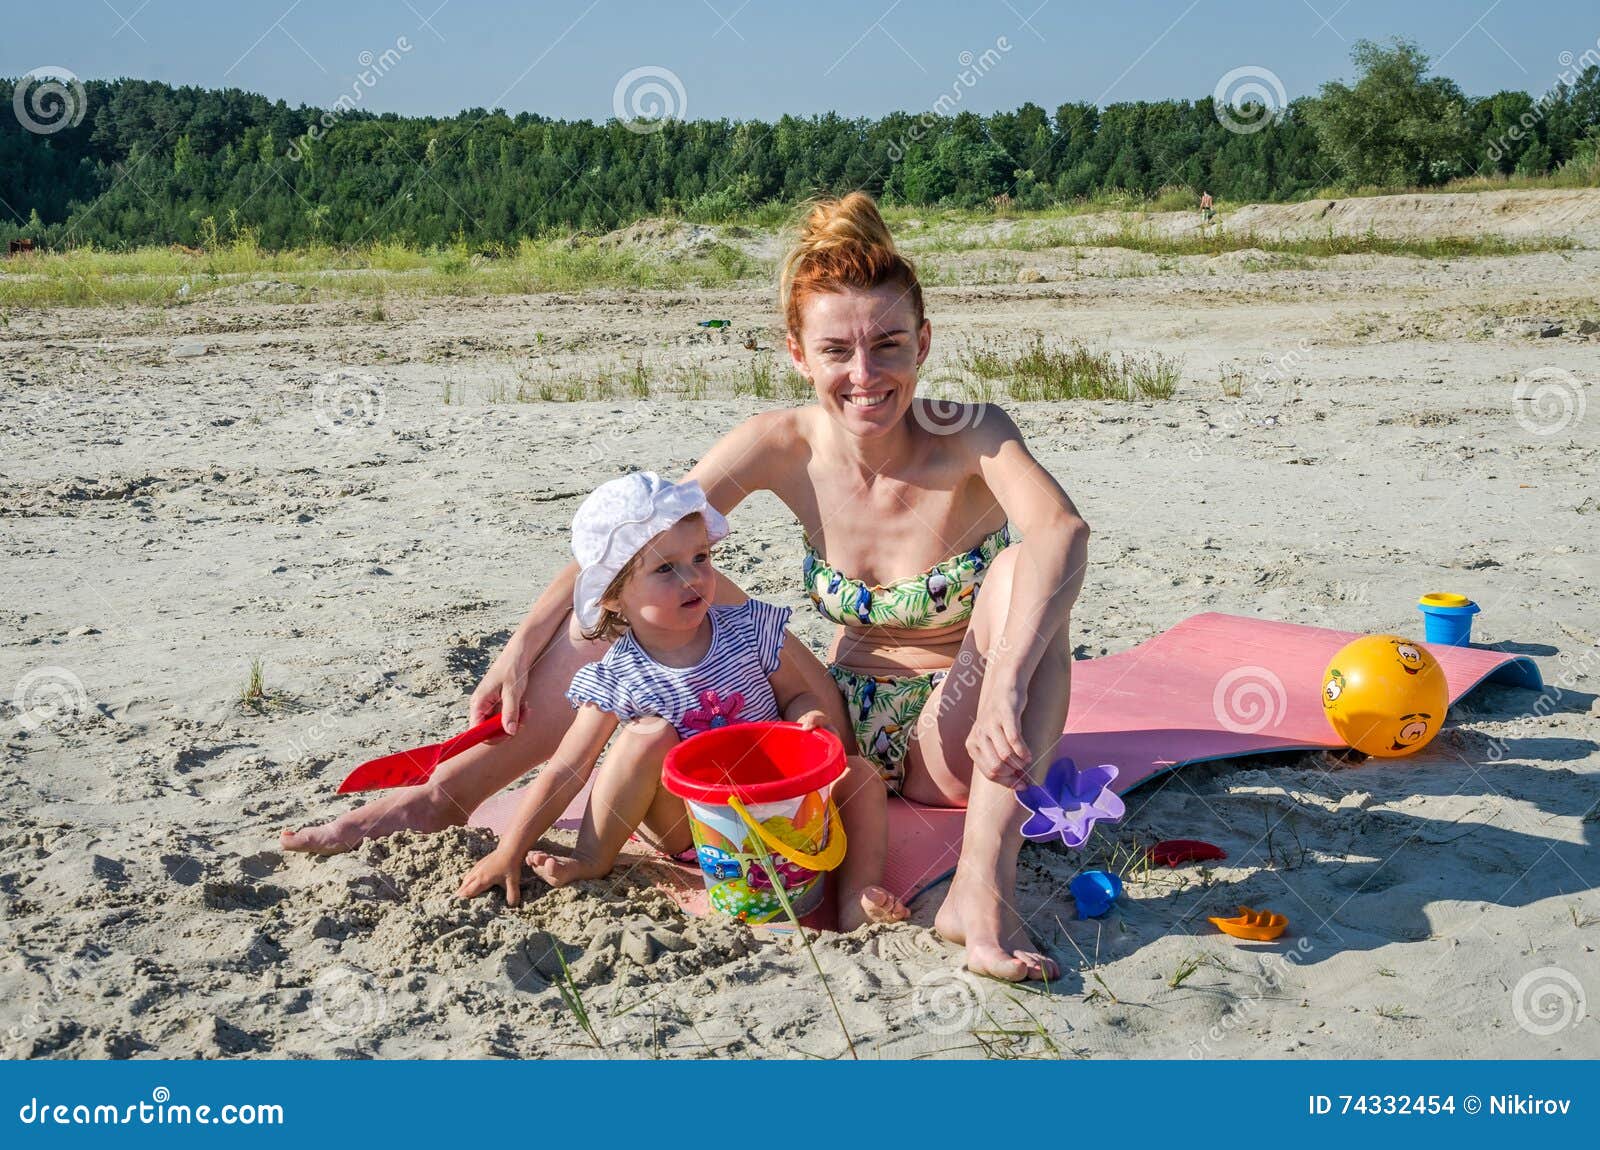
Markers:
point(408, 808)
point(558, 870)
point(870, 904)
point(997, 943)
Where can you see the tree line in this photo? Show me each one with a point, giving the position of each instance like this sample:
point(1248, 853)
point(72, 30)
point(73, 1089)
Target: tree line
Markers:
point(150, 163)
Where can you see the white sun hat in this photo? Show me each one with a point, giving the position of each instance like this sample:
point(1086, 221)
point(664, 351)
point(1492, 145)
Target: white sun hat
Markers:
point(618, 519)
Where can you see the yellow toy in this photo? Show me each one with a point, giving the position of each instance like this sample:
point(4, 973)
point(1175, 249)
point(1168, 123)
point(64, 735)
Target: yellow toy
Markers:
point(1385, 696)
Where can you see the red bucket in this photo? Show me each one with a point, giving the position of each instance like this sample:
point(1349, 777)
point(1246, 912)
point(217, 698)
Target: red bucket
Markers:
point(754, 788)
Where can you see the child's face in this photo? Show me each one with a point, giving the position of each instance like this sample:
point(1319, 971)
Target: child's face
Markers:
point(673, 583)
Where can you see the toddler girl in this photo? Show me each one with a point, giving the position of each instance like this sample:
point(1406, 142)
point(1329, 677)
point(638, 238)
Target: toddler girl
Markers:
point(678, 664)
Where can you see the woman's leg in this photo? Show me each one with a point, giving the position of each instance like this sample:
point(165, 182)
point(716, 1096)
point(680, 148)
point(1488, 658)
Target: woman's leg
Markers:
point(465, 781)
point(627, 795)
point(979, 909)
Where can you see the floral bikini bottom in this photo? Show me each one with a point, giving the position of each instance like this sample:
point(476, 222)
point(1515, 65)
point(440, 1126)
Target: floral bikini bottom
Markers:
point(884, 711)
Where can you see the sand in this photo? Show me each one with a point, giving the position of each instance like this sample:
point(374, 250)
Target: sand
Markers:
point(1405, 426)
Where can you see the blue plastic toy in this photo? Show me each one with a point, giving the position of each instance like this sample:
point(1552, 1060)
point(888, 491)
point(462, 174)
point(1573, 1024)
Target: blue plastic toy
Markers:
point(1447, 618)
point(1094, 891)
point(1069, 802)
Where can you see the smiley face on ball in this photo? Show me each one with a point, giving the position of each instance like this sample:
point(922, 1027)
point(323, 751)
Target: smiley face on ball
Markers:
point(1413, 729)
point(1410, 658)
point(1333, 688)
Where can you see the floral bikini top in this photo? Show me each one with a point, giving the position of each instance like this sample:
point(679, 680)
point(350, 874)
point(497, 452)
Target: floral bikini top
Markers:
point(938, 597)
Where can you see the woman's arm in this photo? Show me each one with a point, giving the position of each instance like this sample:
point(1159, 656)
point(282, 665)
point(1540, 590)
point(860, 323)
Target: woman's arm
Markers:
point(746, 460)
point(505, 682)
point(750, 458)
point(764, 453)
point(1045, 584)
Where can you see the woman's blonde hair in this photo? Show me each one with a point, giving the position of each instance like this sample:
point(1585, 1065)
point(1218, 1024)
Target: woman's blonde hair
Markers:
point(843, 243)
point(612, 622)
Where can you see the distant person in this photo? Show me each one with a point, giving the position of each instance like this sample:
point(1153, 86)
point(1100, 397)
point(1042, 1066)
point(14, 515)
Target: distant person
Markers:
point(1207, 212)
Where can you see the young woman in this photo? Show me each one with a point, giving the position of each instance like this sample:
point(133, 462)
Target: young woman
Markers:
point(906, 514)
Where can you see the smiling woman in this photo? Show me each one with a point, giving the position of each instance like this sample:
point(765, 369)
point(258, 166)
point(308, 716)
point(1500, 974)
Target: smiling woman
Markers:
point(906, 515)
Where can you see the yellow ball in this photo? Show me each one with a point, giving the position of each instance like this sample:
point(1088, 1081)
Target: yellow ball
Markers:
point(1385, 696)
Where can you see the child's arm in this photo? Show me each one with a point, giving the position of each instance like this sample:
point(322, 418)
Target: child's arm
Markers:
point(546, 797)
point(798, 701)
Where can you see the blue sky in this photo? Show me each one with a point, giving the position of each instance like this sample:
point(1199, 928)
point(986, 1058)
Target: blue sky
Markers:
point(761, 58)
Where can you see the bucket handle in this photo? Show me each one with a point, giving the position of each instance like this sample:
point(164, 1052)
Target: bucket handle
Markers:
point(828, 858)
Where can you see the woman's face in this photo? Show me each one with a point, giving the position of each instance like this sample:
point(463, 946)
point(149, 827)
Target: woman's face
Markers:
point(861, 351)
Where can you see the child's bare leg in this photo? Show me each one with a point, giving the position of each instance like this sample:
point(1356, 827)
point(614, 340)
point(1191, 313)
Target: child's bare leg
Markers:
point(627, 794)
point(863, 803)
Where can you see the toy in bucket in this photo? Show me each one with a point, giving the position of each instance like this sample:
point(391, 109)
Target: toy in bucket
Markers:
point(751, 786)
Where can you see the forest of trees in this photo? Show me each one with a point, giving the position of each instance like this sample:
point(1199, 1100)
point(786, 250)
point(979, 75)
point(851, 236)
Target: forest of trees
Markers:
point(149, 163)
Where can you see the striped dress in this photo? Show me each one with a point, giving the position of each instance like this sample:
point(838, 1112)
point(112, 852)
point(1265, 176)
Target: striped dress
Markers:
point(729, 685)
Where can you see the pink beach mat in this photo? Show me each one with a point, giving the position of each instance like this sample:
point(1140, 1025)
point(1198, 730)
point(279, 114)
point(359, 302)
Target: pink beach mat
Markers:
point(1213, 687)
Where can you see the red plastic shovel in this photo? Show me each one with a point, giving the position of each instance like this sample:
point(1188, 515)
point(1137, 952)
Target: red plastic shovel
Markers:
point(409, 768)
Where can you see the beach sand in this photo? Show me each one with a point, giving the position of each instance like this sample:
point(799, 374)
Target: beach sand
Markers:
point(303, 494)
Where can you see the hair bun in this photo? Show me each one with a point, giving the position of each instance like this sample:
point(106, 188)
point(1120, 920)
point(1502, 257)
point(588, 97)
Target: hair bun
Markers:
point(843, 243)
point(852, 219)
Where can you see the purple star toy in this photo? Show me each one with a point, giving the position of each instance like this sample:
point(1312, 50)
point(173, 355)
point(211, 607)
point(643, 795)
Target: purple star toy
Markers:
point(1068, 802)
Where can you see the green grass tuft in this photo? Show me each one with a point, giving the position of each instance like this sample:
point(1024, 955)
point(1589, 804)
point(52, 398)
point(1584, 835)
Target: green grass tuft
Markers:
point(1047, 371)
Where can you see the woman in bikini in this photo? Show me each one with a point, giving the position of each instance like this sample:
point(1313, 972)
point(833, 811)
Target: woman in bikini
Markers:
point(907, 512)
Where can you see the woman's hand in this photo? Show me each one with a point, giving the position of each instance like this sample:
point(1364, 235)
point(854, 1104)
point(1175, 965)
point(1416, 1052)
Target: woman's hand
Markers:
point(502, 689)
point(995, 741)
point(499, 867)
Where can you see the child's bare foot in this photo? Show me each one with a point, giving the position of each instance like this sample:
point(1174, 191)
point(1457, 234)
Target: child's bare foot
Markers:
point(871, 904)
point(408, 808)
point(997, 943)
point(558, 870)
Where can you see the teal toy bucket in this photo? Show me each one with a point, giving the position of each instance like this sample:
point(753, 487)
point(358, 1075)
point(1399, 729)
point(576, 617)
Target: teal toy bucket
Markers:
point(1447, 618)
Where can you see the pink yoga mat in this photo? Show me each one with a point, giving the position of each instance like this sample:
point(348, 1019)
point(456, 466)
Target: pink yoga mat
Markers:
point(1213, 687)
